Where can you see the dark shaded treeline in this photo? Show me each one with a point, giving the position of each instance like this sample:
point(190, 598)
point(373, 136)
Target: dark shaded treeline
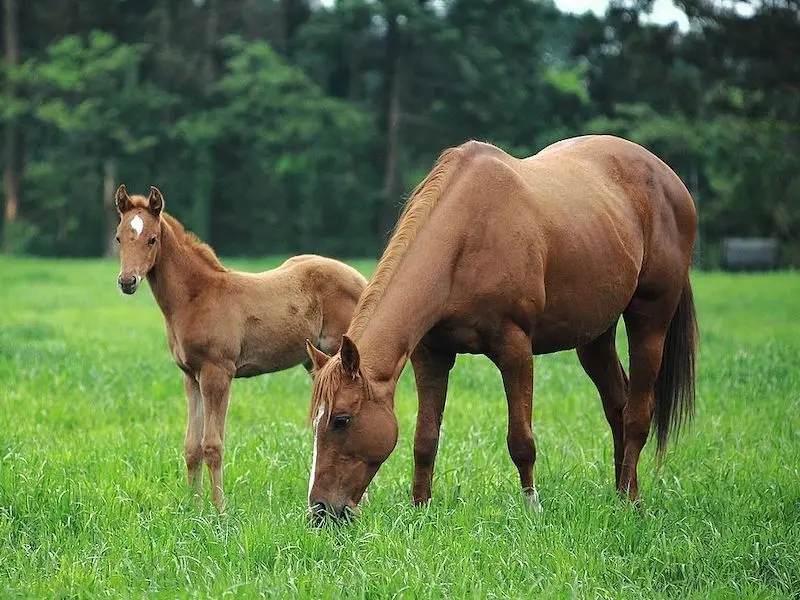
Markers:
point(278, 126)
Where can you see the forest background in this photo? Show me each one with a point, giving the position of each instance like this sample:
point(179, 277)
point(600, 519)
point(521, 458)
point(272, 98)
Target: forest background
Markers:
point(285, 126)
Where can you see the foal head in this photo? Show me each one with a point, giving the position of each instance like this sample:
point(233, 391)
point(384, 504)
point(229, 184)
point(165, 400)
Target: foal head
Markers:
point(138, 235)
point(355, 430)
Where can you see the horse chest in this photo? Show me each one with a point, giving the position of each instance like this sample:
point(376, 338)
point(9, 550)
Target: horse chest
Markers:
point(178, 353)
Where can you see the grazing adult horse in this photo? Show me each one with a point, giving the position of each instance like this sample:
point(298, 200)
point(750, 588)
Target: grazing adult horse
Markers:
point(506, 257)
point(222, 323)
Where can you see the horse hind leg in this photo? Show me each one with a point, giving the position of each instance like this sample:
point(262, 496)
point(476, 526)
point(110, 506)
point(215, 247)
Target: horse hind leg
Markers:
point(647, 320)
point(600, 361)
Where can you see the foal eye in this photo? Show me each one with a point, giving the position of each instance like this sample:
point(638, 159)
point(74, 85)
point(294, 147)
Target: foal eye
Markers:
point(151, 241)
point(341, 422)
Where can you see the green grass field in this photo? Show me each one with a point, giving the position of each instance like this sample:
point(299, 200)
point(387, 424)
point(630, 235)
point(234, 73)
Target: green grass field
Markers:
point(93, 499)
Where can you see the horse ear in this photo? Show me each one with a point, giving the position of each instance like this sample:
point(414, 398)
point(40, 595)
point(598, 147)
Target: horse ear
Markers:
point(155, 201)
point(318, 357)
point(122, 200)
point(350, 357)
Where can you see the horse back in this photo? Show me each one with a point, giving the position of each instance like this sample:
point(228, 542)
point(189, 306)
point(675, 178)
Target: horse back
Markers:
point(563, 239)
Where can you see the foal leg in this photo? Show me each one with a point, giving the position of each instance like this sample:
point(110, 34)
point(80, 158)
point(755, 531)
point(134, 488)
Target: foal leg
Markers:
point(514, 359)
point(601, 363)
point(431, 372)
point(192, 443)
point(215, 384)
point(646, 321)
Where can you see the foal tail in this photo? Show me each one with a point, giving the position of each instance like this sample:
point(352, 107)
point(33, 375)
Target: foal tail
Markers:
point(674, 387)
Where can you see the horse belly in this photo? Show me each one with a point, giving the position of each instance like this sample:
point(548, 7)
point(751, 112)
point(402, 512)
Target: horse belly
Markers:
point(554, 335)
point(580, 308)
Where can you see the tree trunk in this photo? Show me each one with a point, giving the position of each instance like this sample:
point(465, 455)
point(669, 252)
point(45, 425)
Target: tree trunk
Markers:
point(293, 13)
point(392, 88)
point(212, 34)
point(109, 208)
point(204, 163)
point(11, 158)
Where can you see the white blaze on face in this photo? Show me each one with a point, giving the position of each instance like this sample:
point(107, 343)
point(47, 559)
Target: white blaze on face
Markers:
point(137, 225)
point(317, 419)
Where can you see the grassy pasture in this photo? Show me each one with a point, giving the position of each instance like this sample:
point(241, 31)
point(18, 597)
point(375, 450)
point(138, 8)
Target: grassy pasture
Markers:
point(93, 500)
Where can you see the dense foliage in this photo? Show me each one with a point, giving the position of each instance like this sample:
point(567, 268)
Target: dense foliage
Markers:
point(278, 126)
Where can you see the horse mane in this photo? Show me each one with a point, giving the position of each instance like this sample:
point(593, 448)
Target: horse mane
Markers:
point(186, 238)
point(415, 213)
point(190, 241)
point(418, 208)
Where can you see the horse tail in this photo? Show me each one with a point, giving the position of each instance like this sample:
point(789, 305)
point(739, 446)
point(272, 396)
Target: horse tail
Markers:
point(675, 384)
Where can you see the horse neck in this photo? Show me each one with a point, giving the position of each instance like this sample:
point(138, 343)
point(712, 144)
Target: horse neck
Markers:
point(412, 304)
point(177, 275)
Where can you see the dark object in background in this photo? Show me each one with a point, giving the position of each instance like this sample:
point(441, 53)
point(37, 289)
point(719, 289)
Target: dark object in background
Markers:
point(749, 254)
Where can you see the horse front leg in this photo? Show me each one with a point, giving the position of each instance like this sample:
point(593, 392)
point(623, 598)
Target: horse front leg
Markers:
point(514, 359)
point(215, 385)
point(431, 372)
point(193, 441)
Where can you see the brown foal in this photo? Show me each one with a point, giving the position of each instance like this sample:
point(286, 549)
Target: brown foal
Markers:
point(222, 323)
point(506, 257)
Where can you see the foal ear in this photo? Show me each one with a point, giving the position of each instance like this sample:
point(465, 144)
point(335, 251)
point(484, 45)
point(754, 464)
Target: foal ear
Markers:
point(155, 201)
point(318, 357)
point(350, 357)
point(122, 200)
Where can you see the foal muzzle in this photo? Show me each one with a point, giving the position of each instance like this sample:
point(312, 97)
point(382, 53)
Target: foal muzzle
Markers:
point(129, 284)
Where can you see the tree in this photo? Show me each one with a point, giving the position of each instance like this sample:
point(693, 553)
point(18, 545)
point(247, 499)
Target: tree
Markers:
point(11, 153)
point(89, 92)
point(296, 158)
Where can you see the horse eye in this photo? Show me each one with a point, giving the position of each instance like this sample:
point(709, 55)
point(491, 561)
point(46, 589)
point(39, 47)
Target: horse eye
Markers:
point(341, 422)
point(151, 241)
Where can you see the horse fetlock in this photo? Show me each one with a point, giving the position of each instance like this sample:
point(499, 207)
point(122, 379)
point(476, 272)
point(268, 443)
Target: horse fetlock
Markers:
point(421, 499)
point(532, 499)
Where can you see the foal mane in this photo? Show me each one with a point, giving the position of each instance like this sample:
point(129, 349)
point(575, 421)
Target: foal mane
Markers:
point(412, 219)
point(418, 208)
point(185, 238)
point(193, 243)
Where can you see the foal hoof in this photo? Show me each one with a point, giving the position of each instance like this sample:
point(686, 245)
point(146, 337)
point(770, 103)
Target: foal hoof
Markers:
point(532, 500)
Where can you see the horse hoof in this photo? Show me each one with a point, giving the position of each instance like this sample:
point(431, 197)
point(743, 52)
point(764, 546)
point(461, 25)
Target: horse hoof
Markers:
point(532, 500)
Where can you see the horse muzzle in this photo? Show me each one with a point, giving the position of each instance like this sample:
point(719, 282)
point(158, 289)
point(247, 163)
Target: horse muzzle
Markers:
point(128, 284)
point(321, 514)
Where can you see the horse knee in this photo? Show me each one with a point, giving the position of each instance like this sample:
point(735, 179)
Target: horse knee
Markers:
point(193, 454)
point(522, 448)
point(212, 453)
